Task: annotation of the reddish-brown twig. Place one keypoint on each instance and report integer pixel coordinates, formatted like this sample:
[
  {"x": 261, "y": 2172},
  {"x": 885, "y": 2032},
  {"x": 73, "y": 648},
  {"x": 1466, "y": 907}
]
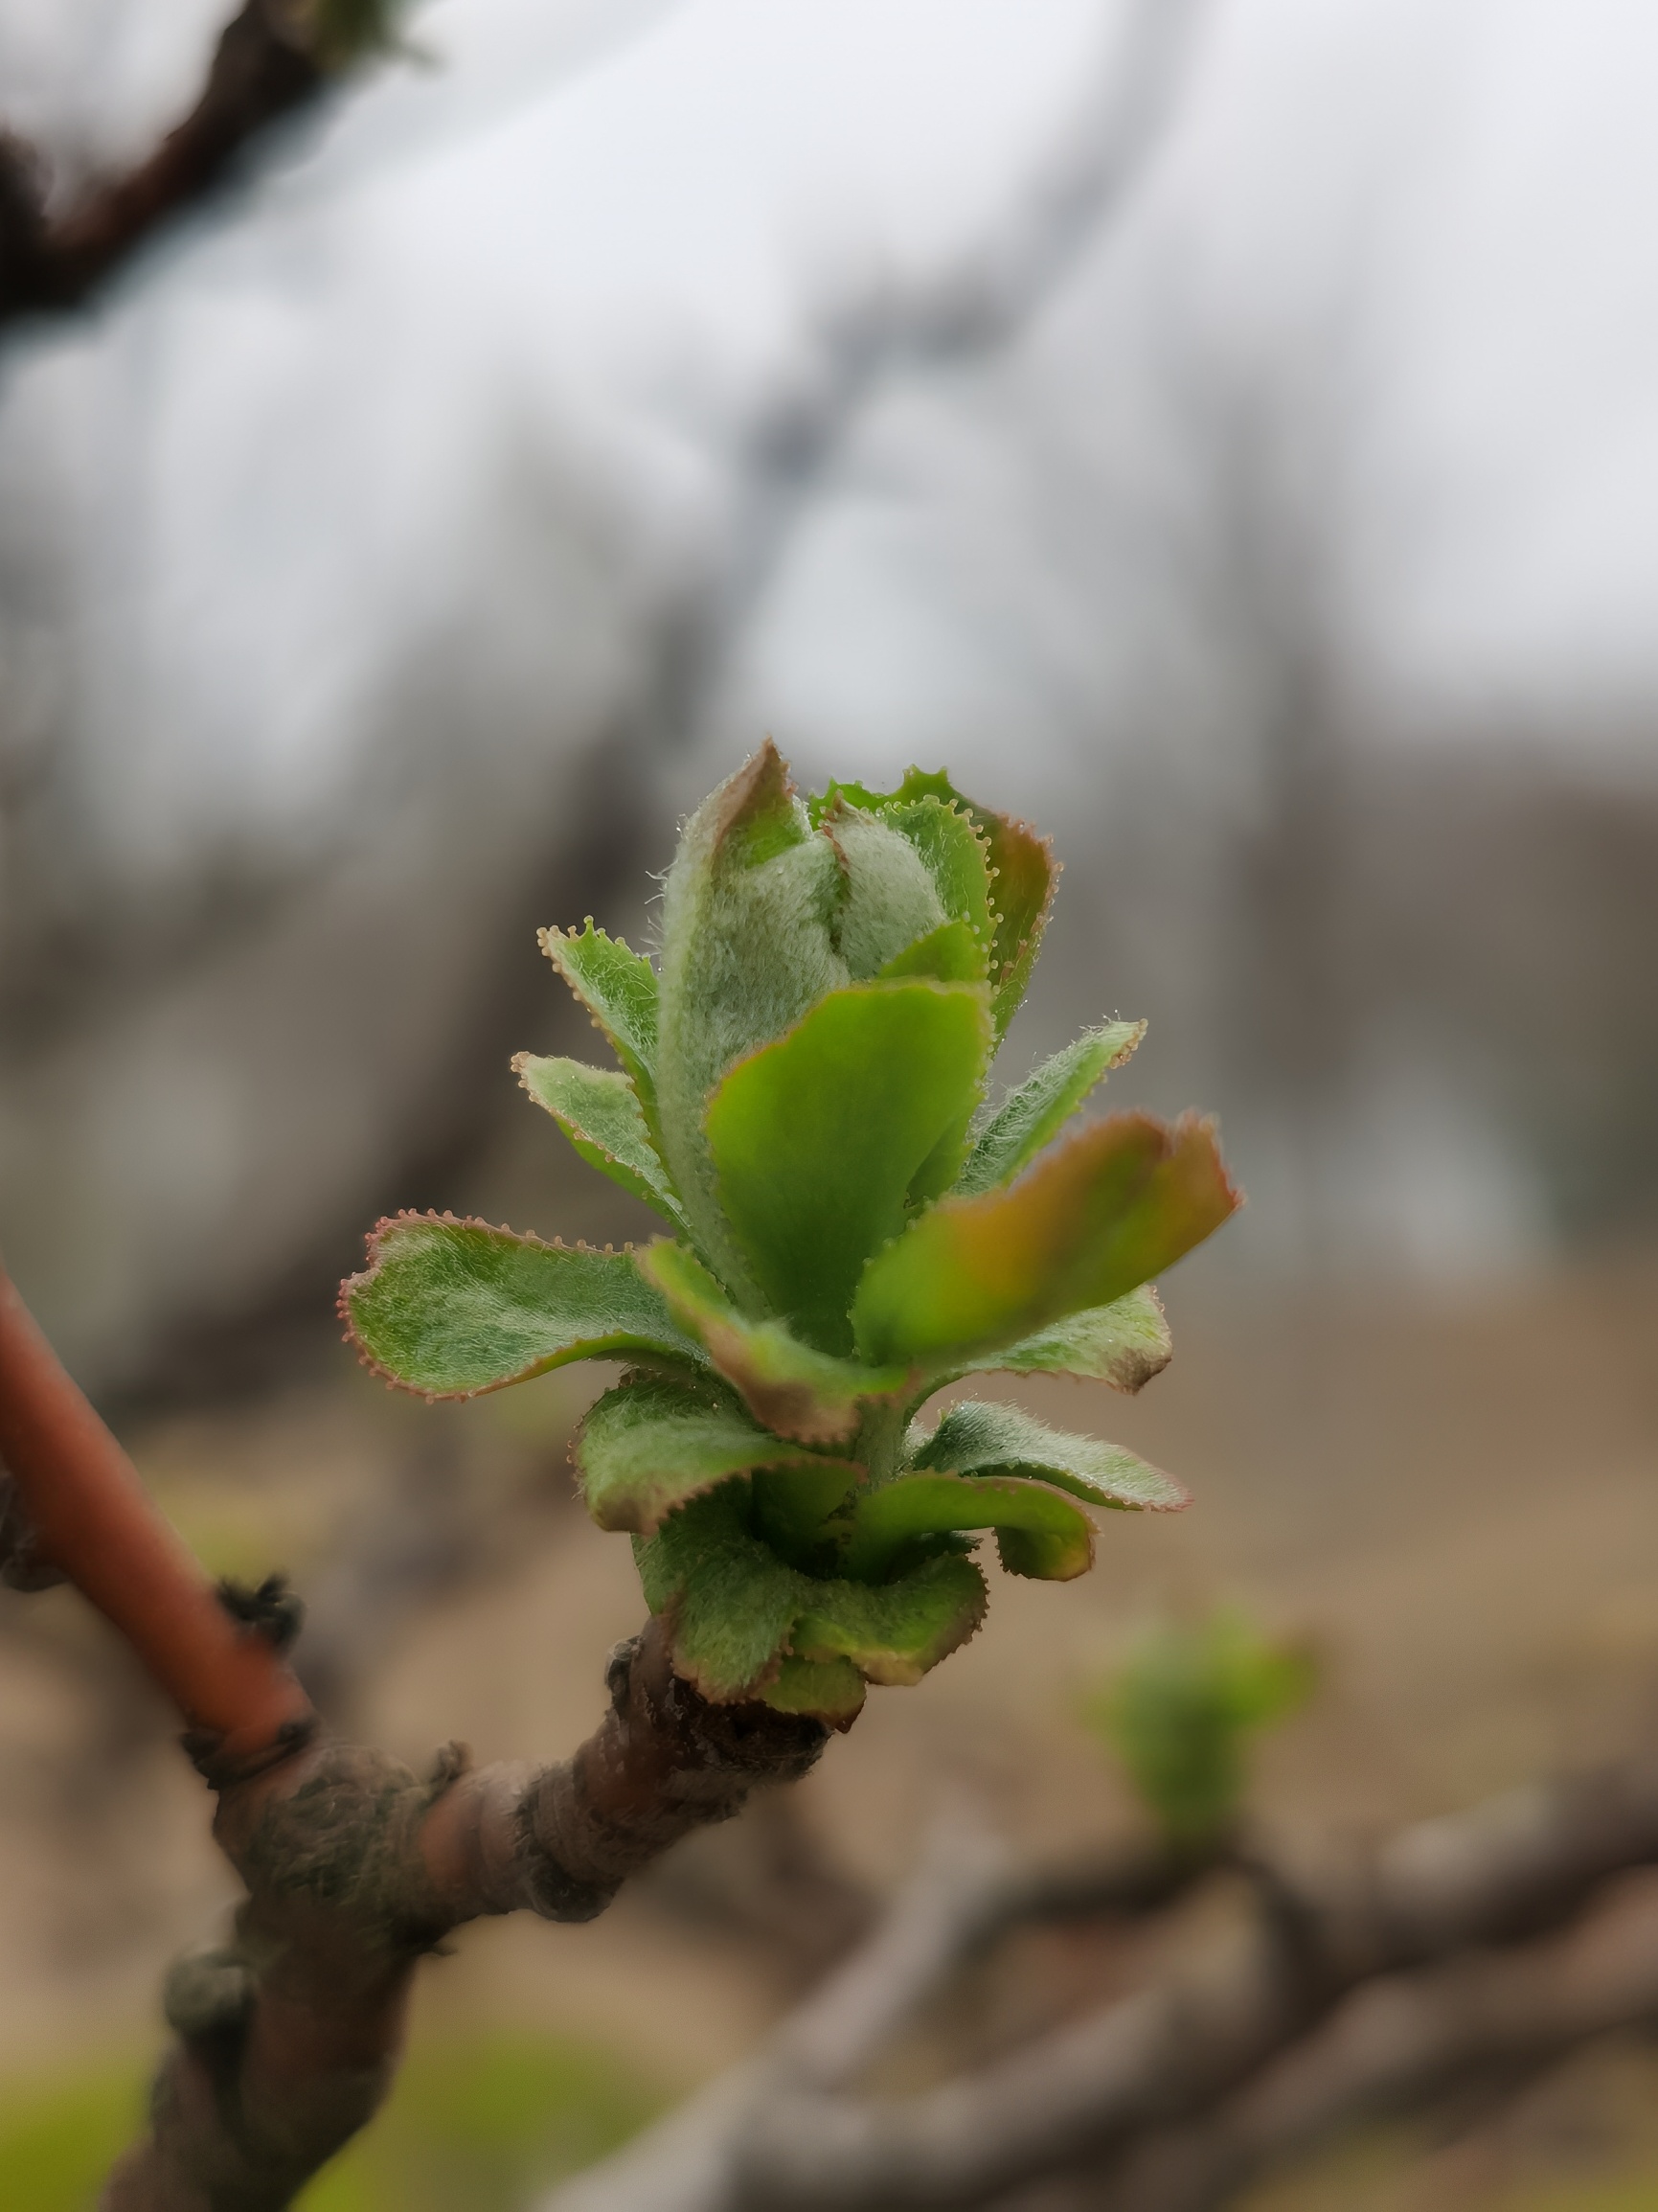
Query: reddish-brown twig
[{"x": 92, "y": 1518}]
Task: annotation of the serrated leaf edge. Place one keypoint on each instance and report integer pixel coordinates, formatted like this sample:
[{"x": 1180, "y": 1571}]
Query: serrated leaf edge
[
  {"x": 696, "y": 1357},
  {"x": 665, "y": 1202}
]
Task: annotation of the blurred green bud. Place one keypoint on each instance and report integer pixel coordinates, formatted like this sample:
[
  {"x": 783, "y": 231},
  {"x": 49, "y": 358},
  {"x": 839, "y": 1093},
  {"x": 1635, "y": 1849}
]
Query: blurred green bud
[{"x": 1180, "y": 1710}]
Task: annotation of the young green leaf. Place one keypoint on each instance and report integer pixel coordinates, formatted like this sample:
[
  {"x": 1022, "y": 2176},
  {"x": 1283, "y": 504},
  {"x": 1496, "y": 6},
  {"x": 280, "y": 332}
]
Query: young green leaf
[
  {"x": 649, "y": 1445},
  {"x": 817, "y": 1138},
  {"x": 982, "y": 1440},
  {"x": 454, "y": 1307},
  {"x": 956, "y": 857},
  {"x": 789, "y": 1386},
  {"x": 1124, "y": 1345},
  {"x": 895, "y": 1632},
  {"x": 1034, "y": 1113},
  {"x": 1094, "y": 1218},
  {"x": 1181, "y": 1708},
  {"x": 836, "y": 794},
  {"x": 887, "y": 899},
  {"x": 797, "y": 1095},
  {"x": 747, "y": 948},
  {"x": 619, "y": 989},
  {"x": 888, "y": 1523},
  {"x": 599, "y": 1111},
  {"x": 731, "y": 1601},
  {"x": 951, "y": 953},
  {"x": 1023, "y": 877},
  {"x": 737, "y": 1609},
  {"x": 830, "y": 1690}
]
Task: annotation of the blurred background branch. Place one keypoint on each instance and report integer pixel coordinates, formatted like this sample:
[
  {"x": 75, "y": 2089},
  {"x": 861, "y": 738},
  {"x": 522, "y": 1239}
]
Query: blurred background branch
[
  {"x": 274, "y": 57},
  {"x": 1485, "y": 1943}
]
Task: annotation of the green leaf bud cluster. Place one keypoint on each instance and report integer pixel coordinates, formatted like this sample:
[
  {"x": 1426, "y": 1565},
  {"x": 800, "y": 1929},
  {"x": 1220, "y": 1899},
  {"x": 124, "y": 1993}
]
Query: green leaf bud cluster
[{"x": 802, "y": 1094}]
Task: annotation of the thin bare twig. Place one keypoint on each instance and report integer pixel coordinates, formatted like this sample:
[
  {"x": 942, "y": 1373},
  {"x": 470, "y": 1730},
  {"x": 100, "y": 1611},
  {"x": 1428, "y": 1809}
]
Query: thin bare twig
[
  {"x": 88, "y": 1516},
  {"x": 965, "y": 1894},
  {"x": 1168, "y": 2093},
  {"x": 1405, "y": 2040},
  {"x": 272, "y": 58}
]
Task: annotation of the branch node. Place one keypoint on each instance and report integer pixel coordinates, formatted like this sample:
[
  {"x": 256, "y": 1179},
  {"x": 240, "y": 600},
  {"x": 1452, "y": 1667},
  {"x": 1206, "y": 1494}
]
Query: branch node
[
  {"x": 449, "y": 1762},
  {"x": 204, "y": 1748},
  {"x": 272, "y": 1609},
  {"x": 619, "y": 1669},
  {"x": 208, "y": 1995},
  {"x": 23, "y": 1565}
]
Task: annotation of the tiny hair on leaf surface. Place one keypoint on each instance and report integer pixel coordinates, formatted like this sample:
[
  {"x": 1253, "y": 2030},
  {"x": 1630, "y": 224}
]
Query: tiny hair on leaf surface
[
  {"x": 647, "y": 1445},
  {"x": 1041, "y": 1105},
  {"x": 1001, "y": 1439},
  {"x": 598, "y": 1110},
  {"x": 1095, "y": 1216},
  {"x": 1126, "y": 1344},
  {"x": 803, "y": 1092},
  {"x": 450, "y": 1308}
]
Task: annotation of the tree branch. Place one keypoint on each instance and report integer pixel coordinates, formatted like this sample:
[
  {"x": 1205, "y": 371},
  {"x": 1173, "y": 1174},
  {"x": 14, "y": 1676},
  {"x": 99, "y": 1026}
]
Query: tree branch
[
  {"x": 963, "y": 1895},
  {"x": 273, "y": 58},
  {"x": 287, "y": 2039},
  {"x": 89, "y": 1517},
  {"x": 1401, "y": 2040},
  {"x": 1200, "y": 2078}
]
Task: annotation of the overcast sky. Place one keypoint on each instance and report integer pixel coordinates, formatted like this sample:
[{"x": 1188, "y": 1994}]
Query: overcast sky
[{"x": 385, "y": 494}]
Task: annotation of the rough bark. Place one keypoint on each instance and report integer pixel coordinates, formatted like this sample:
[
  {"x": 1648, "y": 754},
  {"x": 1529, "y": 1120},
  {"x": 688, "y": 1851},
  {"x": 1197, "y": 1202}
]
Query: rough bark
[
  {"x": 356, "y": 1868},
  {"x": 287, "y": 2039}
]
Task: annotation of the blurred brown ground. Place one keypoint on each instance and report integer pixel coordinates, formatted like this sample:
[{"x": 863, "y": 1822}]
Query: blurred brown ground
[{"x": 1457, "y": 1497}]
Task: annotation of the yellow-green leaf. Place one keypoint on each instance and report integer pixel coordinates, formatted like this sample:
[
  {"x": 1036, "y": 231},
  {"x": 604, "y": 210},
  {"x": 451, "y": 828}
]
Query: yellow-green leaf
[
  {"x": 1094, "y": 1217},
  {"x": 951, "y": 953}
]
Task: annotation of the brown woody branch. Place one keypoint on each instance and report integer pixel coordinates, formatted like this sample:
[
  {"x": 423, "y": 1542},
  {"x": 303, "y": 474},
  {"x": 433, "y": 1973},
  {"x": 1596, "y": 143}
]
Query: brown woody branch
[
  {"x": 287, "y": 2039},
  {"x": 355, "y": 1869},
  {"x": 1403, "y": 2040},
  {"x": 270, "y": 60},
  {"x": 1444, "y": 1948},
  {"x": 961, "y": 1897}
]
